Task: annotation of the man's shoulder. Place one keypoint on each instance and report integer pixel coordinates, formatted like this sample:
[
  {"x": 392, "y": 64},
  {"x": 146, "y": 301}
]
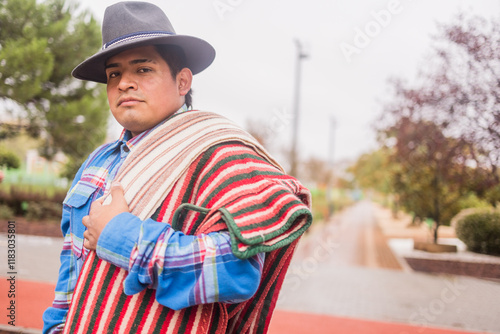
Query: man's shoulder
[
  {"x": 237, "y": 156},
  {"x": 231, "y": 148}
]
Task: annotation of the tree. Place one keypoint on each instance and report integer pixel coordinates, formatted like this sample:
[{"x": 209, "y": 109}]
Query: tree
[
  {"x": 374, "y": 171},
  {"x": 317, "y": 171},
  {"x": 445, "y": 128},
  {"x": 431, "y": 180},
  {"x": 459, "y": 91},
  {"x": 468, "y": 71},
  {"x": 468, "y": 52},
  {"x": 40, "y": 43}
]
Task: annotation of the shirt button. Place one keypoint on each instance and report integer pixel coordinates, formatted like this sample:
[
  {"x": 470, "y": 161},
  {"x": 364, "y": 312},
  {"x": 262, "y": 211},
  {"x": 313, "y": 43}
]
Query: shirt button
[{"x": 125, "y": 148}]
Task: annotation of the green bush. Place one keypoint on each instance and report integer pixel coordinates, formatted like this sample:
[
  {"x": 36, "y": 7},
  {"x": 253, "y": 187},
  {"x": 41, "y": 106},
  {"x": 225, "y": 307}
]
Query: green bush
[
  {"x": 15, "y": 196},
  {"x": 9, "y": 159},
  {"x": 480, "y": 232},
  {"x": 6, "y": 212},
  {"x": 43, "y": 210}
]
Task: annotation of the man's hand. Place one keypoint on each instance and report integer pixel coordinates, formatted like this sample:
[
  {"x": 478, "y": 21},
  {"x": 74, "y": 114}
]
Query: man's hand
[{"x": 100, "y": 215}]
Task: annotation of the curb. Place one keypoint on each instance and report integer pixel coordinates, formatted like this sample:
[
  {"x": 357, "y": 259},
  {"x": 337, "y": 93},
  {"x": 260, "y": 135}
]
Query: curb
[{"x": 6, "y": 329}]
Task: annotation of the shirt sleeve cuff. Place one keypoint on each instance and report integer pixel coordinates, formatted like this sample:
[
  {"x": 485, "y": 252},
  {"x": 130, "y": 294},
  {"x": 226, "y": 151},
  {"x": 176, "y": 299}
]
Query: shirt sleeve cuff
[
  {"x": 56, "y": 329},
  {"x": 118, "y": 238}
]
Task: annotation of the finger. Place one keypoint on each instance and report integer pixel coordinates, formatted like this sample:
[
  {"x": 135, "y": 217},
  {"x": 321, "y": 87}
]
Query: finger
[
  {"x": 86, "y": 244},
  {"x": 100, "y": 200},
  {"x": 85, "y": 221},
  {"x": 116, "y": 188},
  {"x": 117, "y": 192}
]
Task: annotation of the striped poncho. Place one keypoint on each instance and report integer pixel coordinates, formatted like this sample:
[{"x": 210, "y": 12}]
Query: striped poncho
[{"x": 185, "y": 173}]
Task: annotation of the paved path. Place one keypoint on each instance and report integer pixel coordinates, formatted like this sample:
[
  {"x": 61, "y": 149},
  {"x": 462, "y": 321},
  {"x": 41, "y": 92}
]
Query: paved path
[
  {"x": 337, "y": 284},
  {"x": 334, "y": 274},
  {"x": 37, "y": 258}
]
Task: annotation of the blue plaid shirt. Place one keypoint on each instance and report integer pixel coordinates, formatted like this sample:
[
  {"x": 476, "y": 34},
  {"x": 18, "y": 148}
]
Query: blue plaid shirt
[{"x": 186, "y": 257}]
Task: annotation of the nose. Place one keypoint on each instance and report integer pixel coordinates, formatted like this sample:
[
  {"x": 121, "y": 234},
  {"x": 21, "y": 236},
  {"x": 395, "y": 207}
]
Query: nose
[{"x": 127, "y": 82}]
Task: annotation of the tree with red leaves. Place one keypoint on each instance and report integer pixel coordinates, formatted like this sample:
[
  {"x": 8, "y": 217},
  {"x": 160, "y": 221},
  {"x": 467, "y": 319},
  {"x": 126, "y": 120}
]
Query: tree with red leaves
[{"x": 445, "y": 129}]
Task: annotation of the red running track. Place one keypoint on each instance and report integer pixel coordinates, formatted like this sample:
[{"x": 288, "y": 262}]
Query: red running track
[{"x": 32, "y": 298}]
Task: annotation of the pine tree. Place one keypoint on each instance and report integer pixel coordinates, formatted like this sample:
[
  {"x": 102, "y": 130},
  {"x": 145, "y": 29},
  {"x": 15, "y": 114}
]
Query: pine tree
[{"x": 40, "y": 43}]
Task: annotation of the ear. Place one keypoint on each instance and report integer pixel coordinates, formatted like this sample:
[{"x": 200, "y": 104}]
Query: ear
[{"x": 184, "y": 80}]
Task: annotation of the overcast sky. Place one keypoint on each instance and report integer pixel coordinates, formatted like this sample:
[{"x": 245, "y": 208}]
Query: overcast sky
[{"x": 354, "y": 46}]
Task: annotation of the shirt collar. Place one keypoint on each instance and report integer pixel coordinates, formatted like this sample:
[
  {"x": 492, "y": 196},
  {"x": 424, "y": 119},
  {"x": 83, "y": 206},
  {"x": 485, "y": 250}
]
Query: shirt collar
[{"x": 126, "y": 135}]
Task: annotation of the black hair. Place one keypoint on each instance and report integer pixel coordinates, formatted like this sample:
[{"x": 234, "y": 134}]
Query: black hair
[{"x": 176, "y": 60}]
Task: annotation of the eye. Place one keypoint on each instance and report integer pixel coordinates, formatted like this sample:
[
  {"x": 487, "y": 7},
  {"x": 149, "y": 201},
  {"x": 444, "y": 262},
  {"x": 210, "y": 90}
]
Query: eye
[
  {"x": 112, "y": 75},
  {"x": 144, "y": 70}
]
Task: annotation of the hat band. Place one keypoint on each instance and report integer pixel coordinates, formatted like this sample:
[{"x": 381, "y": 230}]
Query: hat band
[{"x": 134, "y": 36}]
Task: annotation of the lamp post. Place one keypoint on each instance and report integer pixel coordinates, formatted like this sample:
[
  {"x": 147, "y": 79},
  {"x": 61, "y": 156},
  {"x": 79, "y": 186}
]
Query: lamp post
[
  {"x": 331, "y": 181},
  {"x": 296, "y": 104}
]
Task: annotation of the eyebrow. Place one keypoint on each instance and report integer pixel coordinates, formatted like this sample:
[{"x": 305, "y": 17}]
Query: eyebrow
[{"x": 132, "y": 62}]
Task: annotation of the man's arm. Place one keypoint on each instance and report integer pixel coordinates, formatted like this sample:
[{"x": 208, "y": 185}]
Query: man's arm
[
  {"x": 185, "y": 270},
  {"x": 54, "y": 316},
  {"x": 66, "y": 281}
]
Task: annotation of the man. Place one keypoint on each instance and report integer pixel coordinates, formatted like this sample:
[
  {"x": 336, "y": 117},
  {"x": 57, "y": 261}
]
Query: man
[{"x": 184, "y": 224}]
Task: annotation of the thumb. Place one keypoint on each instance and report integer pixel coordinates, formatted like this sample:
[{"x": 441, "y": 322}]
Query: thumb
[{"x": 117, "y": 192}]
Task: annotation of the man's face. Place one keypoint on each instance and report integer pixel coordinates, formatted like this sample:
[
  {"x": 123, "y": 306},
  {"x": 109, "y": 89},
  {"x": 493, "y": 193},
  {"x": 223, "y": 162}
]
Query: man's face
[{"x": 141, "y": 90}]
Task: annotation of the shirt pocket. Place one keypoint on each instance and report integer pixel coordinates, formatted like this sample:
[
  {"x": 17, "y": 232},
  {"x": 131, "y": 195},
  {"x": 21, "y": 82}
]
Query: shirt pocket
[{"x": 78, "y": 202}]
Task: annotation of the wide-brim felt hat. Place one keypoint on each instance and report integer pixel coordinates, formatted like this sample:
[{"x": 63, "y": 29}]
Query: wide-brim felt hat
[{"x": 131, "y": 24}]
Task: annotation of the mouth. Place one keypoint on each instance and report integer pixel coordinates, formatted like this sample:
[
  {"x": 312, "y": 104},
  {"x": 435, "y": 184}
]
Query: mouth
[{"x": 128, "y": 101}]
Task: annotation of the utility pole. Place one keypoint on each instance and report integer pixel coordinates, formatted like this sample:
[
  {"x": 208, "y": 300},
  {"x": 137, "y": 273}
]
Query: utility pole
[
  {"x": 296, "y": 104},
  {"x": 331, "y": 181}
]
